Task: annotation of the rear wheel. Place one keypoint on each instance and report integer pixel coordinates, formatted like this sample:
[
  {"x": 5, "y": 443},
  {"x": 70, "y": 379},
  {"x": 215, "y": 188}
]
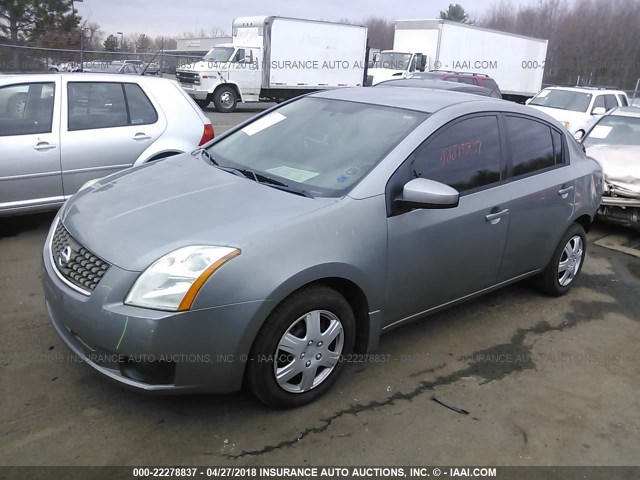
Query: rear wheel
[
  {"x": 566, "y": 263},
  {"x": 225, "y": 99},
  {"x": 16, "y": 105},
  {"x": 296, "y": 355}
]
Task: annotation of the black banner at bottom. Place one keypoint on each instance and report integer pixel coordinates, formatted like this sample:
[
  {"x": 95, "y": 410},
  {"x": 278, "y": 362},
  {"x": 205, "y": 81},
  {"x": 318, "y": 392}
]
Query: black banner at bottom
[{"x": 319, "y": 472}]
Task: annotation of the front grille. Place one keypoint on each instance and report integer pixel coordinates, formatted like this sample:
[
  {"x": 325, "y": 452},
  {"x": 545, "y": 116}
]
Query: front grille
[
  {"x": 75, "y": 263},
  {"x": 188, "y": 77}
]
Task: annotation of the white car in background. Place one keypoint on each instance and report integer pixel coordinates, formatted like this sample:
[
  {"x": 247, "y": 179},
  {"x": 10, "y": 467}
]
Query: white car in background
[
  {"x": 60, "y": 131},
  {"x": 576, "y": 107}
]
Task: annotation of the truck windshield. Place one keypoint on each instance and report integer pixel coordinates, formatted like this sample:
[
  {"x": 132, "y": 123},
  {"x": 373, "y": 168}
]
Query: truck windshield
[
  {"x": 563, "y": 99},
  {"x": 319, "y": 146},
  {"x": 219, "y": 54},
  {"x": 393, "y": 60}
]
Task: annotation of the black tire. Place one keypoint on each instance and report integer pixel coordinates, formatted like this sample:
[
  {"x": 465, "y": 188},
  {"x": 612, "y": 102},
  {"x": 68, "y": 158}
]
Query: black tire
[
  {"x": 260, "y": 376},
  {"x": 203, "y": 103},
  {"x": 548, "y": 281},
  {"x": 225, "y": 99},
  {"x": 16, "y": 105}
]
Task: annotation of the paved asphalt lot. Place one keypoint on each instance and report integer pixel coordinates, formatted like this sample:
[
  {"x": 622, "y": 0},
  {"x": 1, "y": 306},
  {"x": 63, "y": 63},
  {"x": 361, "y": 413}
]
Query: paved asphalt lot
[{"x": 545, "y": 381}]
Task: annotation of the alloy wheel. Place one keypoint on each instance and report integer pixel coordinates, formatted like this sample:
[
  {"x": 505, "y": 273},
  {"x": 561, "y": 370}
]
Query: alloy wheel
[{"x": 570, "y": 260}]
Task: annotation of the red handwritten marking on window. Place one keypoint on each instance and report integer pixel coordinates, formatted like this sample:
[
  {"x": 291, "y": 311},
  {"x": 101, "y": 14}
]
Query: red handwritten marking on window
[{"x": 454, "y": 152}]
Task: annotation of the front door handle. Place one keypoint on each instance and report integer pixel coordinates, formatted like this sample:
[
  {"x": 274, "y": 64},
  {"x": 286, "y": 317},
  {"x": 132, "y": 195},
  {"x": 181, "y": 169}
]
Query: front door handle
[
  {"x": 564, "y": 191},
  {"x": 494, "y": 218},
  {"x": 43, "y": 146},
  {"x": 141, "y": 136}
]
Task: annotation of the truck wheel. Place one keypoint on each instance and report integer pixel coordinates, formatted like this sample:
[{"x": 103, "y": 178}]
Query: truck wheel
[
  {"x": 297, "y": 354},
  {"x": 225, "y": 99},
  {"x": 203, "y": 103}
]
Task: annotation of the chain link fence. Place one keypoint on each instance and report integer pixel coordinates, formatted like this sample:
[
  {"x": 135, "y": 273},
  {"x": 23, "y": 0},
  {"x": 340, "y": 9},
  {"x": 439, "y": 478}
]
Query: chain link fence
[{"x": 22, "y": 59}]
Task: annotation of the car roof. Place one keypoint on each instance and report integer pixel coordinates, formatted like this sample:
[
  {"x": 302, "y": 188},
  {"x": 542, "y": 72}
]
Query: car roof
[
  {"x": 626, "y": 112},
  {"x": 436, "y": 85},
  {"x": 426, "y": 100},
  {"x": 585, "y": 89},
  {"x": 147, "y": 80}
]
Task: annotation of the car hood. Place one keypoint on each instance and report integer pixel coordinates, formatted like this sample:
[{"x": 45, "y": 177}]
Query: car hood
[
  {"x": 621, "y": 166},
  {"x": 132, "y": 218},
  {"x": 382, "y": 74}
]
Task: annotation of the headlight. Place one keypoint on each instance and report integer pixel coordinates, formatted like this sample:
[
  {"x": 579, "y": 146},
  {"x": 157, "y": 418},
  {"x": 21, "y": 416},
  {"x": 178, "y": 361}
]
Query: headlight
[{"x": 173, "y": 281}]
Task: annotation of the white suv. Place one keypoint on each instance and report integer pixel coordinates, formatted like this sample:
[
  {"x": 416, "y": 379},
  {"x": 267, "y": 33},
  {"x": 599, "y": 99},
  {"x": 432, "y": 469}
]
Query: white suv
[{"x": 577, "y": 107}]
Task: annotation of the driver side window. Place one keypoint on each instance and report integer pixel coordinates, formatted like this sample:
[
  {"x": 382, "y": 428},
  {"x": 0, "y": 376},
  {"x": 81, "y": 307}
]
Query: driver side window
[{"x": 465, "y": 155}]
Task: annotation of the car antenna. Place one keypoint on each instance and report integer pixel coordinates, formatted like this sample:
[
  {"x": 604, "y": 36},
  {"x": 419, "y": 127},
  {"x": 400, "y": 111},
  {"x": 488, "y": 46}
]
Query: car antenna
[{"x": 149, "y": 62}]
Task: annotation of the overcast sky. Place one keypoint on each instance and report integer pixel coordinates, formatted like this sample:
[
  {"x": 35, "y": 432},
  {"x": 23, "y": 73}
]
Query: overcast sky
[{"x": 174, "y": 17}]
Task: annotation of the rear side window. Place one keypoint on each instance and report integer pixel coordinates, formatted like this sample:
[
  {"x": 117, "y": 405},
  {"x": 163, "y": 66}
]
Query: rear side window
[
  {"x": 465, "y": 156},
  {"x": 106, "y": 105},
  {"x": 490, "y": 83},
  {"x": 623, "y": 100},
  {"x": 140, "y": 108},
  {"x": 532, "y": 147},
  {"x": 558, "y": 155},
  {"x": 96, "y": 105},
  {"x": 26, "y": 109},
  {"x": 610, "y": 102},
  {"x": 467, "y": 80}
]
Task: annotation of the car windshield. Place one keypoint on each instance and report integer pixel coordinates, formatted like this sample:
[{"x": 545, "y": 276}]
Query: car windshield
[
  {"x": 562, "y": 99},
  {"x": 615, "y": 130},
  {"x": 219, "y": 54},
  {"x": 393, "y": 60},
  {"x": 319, "y": 146}
]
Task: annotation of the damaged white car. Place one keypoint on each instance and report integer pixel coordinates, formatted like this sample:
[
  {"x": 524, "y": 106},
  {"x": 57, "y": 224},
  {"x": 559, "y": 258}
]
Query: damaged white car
[{"x": 614, "y": 141}]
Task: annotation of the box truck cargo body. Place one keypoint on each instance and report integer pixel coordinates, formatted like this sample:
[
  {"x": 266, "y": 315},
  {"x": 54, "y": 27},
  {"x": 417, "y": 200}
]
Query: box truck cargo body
[
  {"x": 515, "y": 62},
  {"x": 276, "y": 58}
]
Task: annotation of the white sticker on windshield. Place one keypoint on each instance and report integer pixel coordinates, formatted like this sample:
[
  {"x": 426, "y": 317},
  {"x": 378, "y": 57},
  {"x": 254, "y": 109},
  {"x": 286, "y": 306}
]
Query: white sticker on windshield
[
  {"x": 600, "y": 131},
  {"x": 262, "y": 123},
  {"x": 543, "y": 93},
  {"x": 294, "y": 174}
]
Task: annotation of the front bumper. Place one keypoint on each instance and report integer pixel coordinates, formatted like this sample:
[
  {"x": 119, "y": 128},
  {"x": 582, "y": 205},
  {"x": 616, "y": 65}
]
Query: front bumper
[
  {"x": 195, "y": 351},
  {"x": 195, "y": 91},
  {"x": 620, "y": 210}
]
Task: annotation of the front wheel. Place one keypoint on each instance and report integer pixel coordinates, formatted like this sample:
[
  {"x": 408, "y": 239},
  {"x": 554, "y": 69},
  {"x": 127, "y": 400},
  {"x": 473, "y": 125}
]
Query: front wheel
[
  {"x": 566, "y": 263},
  {"x": 225, "y": 99},
  {"x": 296, "y": 355},
  {"x": 203, "y": 103}
]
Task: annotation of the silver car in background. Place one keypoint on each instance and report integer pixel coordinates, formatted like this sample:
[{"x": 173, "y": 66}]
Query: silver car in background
[
  {"x": 268, "y": 257},
  {"x": 614, "y": 141},
  {"x": 59, "y": 131}
]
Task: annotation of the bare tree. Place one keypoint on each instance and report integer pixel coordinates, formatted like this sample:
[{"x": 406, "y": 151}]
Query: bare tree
[{"x": 380, "y": 31}]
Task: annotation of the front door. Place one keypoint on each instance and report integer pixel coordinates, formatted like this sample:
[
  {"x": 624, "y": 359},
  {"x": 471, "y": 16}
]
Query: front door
[
  {"x": 30, "y": 145},
  {"x": 438, "y": 256}
]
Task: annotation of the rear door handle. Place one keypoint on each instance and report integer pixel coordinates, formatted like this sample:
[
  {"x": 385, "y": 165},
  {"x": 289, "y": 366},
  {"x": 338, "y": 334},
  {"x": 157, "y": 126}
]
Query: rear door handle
[
  {"x": 564, "y": 191},
  {"x": 495, "y": 217},
  {"x": 141, "y": 136},
  {"x": 43, "y": 146}
]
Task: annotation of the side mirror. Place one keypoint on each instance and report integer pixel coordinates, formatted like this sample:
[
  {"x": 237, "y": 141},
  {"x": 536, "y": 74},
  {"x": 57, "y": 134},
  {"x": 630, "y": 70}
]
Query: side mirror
[
  {"x": 579, "y": 135},
  {"x": 598, "y": 111},
  {"x": 528, "y": 101},
  {"x": 423, "y": 193},
  {"x": 421, "y": 62}
]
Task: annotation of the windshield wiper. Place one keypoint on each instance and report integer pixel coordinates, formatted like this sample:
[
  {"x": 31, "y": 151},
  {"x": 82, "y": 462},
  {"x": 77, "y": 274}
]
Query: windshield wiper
[
  {"x": 272, "y": 182},
  {"x": 256, "y": 177}
]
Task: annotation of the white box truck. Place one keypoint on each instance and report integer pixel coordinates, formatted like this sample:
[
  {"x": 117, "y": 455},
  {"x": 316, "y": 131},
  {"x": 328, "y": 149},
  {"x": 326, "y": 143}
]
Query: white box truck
[
  {"x": 277, "y": 58},
  {"x": 515, "y": 62}
]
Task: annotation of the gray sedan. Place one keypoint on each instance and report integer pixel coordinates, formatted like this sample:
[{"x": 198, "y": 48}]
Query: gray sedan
[{"x": 269, "y": 257}]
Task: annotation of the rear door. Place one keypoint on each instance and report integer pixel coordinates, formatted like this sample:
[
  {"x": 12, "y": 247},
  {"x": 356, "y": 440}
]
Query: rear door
[
  {"x": 30, "y": 144},
  {"x": 542, "y": 194},
  {"x": 105, "y": 128},
  {"x": 438, "y": 256}
]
